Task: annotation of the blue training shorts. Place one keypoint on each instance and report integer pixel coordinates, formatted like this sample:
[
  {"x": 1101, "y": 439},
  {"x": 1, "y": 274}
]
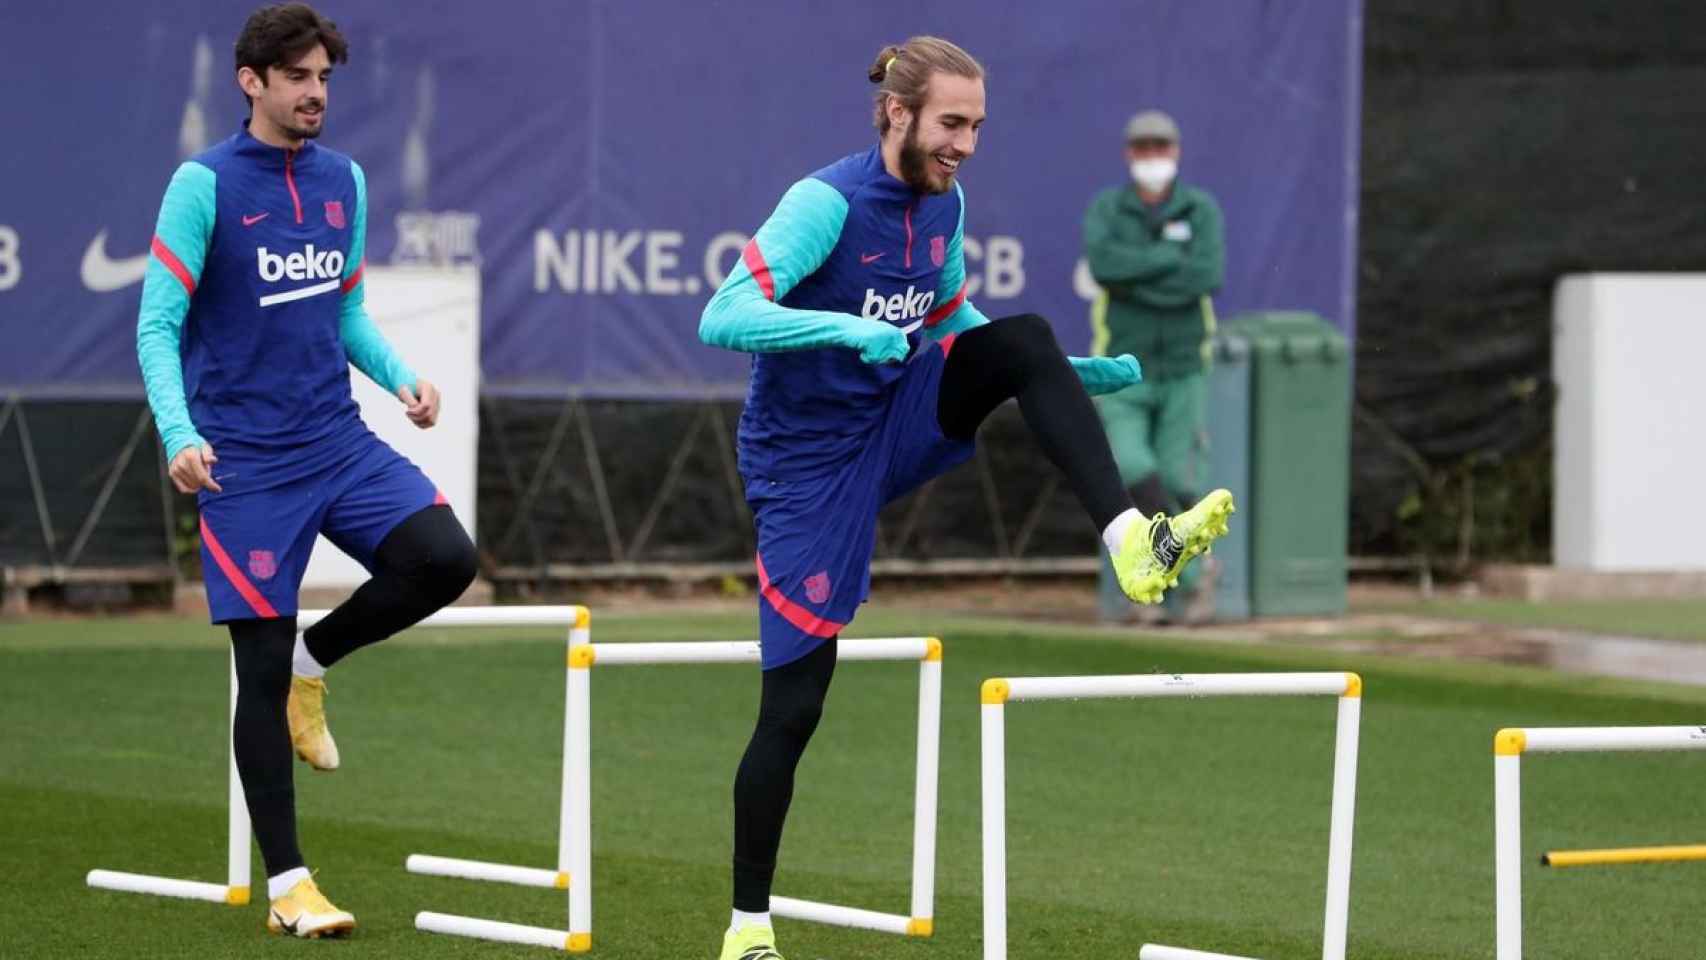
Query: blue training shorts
[
  {"x": 816, "y": 535},
  {"x": 257, "y": 534}
]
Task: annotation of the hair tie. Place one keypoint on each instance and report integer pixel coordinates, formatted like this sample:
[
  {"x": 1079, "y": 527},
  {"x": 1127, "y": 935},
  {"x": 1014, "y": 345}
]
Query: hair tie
[{"x": 890, "y": 65}]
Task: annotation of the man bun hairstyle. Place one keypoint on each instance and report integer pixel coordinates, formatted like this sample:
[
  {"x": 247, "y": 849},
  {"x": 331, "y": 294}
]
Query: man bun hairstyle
[{"x": 903, "y": 72}]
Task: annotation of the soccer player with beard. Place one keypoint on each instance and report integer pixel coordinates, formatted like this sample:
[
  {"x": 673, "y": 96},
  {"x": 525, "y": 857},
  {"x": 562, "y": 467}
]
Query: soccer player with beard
[
  {"x": 252, "y": 313},
  {"x": 871, "y": 372}
]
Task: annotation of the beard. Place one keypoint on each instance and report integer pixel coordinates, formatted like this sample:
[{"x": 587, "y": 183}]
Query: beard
[
  {"x": 287, "y": 123},
  {"x": 915, "y": 165}
]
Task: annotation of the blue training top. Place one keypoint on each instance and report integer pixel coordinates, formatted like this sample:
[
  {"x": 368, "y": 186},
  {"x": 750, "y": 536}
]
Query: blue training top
[
  {"x": 252, "y": 304},
  {"x": 849, "y": 253}
]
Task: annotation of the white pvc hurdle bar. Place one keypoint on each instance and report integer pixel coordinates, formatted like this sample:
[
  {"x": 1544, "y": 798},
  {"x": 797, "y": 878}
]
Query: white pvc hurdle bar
[
  {"x": 579, "y": 621},
  {"x": 578, "y": 791},
  {"x": 997, "y": 693},
  {"x": 1508, "y": 747},
  {"x": 235, "y": 891}
]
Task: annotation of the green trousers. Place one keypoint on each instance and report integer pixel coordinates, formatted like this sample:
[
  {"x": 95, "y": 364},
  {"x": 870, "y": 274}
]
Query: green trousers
[{"x": 1156, "y": 427}]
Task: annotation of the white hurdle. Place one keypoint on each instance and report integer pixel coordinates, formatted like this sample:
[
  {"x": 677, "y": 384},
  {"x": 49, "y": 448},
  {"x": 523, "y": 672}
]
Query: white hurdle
[
  {"x": 577, "y": 781},
  {"x": 1508, "y": 747},
  {"x": 997, "y": 693},
  {"x": 578, "y": 620},
  {"x": 235, "y": 890}
]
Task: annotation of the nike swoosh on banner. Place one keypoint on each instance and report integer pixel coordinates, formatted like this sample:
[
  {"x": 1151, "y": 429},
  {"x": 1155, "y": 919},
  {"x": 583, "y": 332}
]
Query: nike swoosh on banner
[
  {"x": 102, "y": 274},
  {"x": 300, "y": 293}
]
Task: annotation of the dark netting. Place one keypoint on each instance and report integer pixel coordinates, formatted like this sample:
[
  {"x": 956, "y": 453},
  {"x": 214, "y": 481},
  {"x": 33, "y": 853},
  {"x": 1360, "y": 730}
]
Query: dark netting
[
  {"x": 656, "y": 485},
  {"x": 1504, "y": 145},
  {"x": 80, "y": 449},
  {"x": 671, "y": 494}
]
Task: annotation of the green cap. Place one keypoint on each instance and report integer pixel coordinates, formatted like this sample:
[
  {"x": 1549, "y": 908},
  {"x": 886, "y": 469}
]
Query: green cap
[{"x": 1151, "y": 125}]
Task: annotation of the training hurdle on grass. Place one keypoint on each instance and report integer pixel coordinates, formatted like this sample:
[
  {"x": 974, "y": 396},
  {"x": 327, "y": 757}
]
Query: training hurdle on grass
[
  {"x": 235, "y": 890},
  {"x": 1509, "y": 745},
  {"x": 576, "y": 824},
  {"x": 997, "y": 693}
]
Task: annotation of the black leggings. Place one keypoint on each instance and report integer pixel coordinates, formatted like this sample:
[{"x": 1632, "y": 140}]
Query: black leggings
[
  {"x": 789, "y": 708},
  {"x": 421, "y": 565},
  {"x": 1018, "y": 358}
]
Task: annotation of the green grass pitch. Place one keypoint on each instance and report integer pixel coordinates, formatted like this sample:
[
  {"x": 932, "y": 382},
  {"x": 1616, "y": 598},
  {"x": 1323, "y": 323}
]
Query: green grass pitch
[{"x": 1194, "y": 823}]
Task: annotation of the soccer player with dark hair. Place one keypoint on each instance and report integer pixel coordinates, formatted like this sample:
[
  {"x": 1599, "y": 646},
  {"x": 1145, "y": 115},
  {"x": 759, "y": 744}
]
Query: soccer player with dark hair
[
  {"x": 871, "y": 372},
  {"x": 252, "y": 313}
]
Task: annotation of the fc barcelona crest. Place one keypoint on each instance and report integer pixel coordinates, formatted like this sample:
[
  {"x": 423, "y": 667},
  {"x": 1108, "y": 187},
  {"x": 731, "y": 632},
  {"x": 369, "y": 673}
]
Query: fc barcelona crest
[
  {"x": 262, "y": 565},
  {"x": 335, "y": 214},
  {"x": 938, "y": 250}
]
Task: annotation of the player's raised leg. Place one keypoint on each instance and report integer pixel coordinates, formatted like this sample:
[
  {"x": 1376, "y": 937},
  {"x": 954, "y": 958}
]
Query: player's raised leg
[
  {"x": 392, "y": 518},
  {"x": 1019, "y": 358}
]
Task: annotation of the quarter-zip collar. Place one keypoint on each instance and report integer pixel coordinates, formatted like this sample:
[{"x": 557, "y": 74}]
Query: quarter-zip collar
[{"x": 268, "y": 156}]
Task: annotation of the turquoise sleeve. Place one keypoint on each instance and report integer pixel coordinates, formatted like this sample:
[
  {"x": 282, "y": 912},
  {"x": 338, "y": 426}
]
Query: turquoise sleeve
[
  {"x": 367, "y": 348},
  {"x": 1102, "y": 375},
  {"x": 744, "y": 313},
  {"x": 178, "y": 253},
  {"x": 952, "y": 284}
]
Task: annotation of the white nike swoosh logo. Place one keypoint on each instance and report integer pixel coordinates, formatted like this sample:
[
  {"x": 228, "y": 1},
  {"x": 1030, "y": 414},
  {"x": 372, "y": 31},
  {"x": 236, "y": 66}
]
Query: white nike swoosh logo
[{"x": 103, "y": 274}]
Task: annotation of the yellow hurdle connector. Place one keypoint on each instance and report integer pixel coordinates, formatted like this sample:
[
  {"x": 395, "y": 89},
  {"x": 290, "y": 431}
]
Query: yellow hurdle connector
[
  {"x": 1353, "y": 685},
  {"x": 562, "y": 880},
  {"x": 583, "y": 618},
  {"x": 581, "y": 656},
  {"x": 1510, "y": 742},
  {"x": 920, "y": 927},
  {"x": 996, "y": 691},
  {"x": 237, "y": 896},
  {"x": 578, "y": 943},
  {"x": 1620, "y": 855},
  {"x": 933, "y": 648}
]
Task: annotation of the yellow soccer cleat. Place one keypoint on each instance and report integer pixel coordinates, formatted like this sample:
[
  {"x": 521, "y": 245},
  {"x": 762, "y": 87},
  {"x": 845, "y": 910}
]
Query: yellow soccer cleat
[
  {"x": 751, "y": 942},
  {"x": 306, "y": 710},
  {"x": 1153, "y": 553},
  {"x": 305, "y": 912}
]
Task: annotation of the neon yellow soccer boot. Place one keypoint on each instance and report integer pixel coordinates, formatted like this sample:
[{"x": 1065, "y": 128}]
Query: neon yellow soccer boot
[
  {"x": 1154, "y": 551},
  {"x": 306, "y": 711},
  {"x": 305, "y": 912},
  {"x": 751, "y": 942}
]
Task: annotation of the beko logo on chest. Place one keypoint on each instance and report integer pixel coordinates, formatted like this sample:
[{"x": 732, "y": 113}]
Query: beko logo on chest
[
  {"x": 305, "y": 264},
  {"x": 325, "y": 266},
  {"x": 901, "y": 306}
]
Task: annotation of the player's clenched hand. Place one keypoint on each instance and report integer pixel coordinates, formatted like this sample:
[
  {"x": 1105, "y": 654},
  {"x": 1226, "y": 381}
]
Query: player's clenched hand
[
  {"x": 192, "y": 469},
  {"x": 422, "y": 409},
  {"x": 880, "y": 343}
]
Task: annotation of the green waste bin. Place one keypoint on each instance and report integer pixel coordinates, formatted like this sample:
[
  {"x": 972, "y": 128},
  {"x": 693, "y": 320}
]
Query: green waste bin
[
  {"x": 1297, "y": 510},
  {"x": 1227, "y": 416}
]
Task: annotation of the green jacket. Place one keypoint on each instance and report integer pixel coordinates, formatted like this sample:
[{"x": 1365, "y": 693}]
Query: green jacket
[{"x": 1158, "y": 267}]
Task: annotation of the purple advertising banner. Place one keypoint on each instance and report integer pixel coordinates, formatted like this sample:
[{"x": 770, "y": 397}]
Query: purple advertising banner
[{"x": 603, "y": 163}]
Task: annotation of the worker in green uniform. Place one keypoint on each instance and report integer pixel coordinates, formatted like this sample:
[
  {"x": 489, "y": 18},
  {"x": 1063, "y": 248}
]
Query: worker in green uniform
[{"x": 1154, "y": 245}]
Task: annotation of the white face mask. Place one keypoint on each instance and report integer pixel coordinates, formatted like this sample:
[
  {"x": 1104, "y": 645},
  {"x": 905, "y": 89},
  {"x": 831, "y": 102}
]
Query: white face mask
[{"x": 1154, "y": 174}]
